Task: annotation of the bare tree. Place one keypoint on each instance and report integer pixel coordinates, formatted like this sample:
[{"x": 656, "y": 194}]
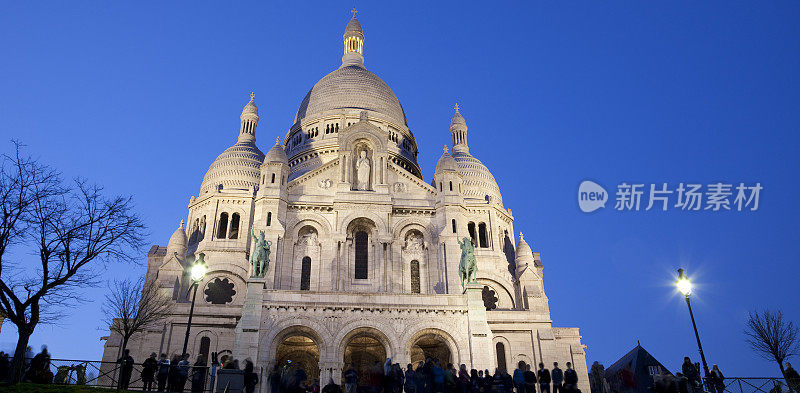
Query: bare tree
[
  {"x": 53, "y": 237},
  {"x": 772, "y": 337},
  {"x": 133, "y": 305}
]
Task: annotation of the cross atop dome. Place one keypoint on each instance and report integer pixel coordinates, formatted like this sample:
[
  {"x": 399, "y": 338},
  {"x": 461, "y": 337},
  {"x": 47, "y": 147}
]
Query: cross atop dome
[
  {"x": 456, "y": 107},
  {"x": 252, "y": 95},
  {"x": 445, "y": 148},
  {"x": 353, "y": 42}
]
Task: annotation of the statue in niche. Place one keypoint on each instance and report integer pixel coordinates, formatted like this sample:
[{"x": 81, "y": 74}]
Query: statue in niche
[
  {"x": 362, "y": 171},
  {"x": 414, "y": 243},
  {"x": 468, "y": 268},
  {"x": 308, "y": 239},
  {"x": 259, "y": 260}
]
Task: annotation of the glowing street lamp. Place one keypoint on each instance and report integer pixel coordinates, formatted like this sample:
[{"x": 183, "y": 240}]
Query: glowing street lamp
[
  {"x": 197, "y": 272},
  {"x": 685, "y": 287}
]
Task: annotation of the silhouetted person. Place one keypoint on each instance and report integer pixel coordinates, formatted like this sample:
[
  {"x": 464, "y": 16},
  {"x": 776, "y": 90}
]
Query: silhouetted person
[
  {"x": 275, "y": 379},
  {"x": 530, "y": 379},
  {"x": 543, "y": 375},
  {"x": 558, "y": 378},
  {"x": 173, "y": 379},
  {"x": 199, "y": 374},
  {"x": 250, "y": 377},
  {"x": 570, "y": 376},
  {"x": 411, "y": 379},
  {"x": 792, "y": 377},
  {"x": 351, "y": 380},
  {"x": 691, "y": 373},
  {"x": 163, "y": 372},
  {"x": 183, "y": 373},
  {"x": 519, "y": 377},
  {"x": 149, "y": 367},
  {"x": 717, "y": 379},
  {"x": 125, "y": 369},
  {"x": 331, "y": 387},
  {"x": 5, "y": 366}
]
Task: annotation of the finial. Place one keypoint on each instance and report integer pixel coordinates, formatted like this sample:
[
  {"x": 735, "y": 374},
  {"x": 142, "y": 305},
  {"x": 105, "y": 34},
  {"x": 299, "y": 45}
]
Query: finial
[
  {"x": 456, "y": 107},
  {"x": 520, "y": 236},
  {"x": 181, "y": 227},
  {"x": 354, "y": 11},
  {"x": 278, "y": 140},
  {"x": 252, "y": 95},
  {"x": 445, "y": 148}
]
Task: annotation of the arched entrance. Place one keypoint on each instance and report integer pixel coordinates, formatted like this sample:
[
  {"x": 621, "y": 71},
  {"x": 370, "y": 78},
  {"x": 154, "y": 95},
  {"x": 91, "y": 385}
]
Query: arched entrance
[
  {"x": 430, "y": 344},
  {"x": 298, "y": 350},
  {"x": 366, "y": 352}
]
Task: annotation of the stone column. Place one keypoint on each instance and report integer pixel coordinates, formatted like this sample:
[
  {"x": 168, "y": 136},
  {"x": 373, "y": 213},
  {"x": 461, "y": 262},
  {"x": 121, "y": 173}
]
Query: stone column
[
  {"x": 246, "y": 344},
  {"x": 480, "y": 336}
]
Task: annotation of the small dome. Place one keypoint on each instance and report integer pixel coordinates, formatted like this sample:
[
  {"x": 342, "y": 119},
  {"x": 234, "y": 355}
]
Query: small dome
[
  {"x": 524, "y": 256},
  {"x": 353, "y": 26},
  {"x": 250, "y": 108},
  {"x": 277, "y": 154},
  {"x": 177, "y": 242},
  {"x": 478, "y": 181},
  {"x": 238, "y": 167},
  {"x": 446, "y": 162},
  {"x": 457, "y": 118}
]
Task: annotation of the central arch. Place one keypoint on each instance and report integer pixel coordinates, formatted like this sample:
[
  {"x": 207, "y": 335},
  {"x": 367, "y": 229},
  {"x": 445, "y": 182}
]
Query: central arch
[
  {"x": 430, "y": 344},
  {"x": 298, "y": 348},
  {"x": 366, "y": 349}
]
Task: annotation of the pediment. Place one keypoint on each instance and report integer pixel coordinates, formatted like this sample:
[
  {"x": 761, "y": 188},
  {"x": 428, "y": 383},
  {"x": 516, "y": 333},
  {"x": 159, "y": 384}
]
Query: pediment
[{"x": 321, "y": 180}]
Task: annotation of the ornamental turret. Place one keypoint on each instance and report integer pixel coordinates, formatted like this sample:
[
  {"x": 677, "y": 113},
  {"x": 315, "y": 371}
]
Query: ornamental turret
[
  {"x": 458, "y": 130},
  {"x": 249, "y": 117},
  {"x": 353, "y": 42}
]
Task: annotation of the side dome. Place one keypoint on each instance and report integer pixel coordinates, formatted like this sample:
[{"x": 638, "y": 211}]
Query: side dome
[
  {"x": 446, "y": 163},
  {"x": 238, "y": 167},
  {"x": 351, "y": 87},
  {"x": 478, "y": 181},
  {"x": 524, "y": 256},
  {"x": 277, "y": 154},
  {"x": 177, "y": 243}
]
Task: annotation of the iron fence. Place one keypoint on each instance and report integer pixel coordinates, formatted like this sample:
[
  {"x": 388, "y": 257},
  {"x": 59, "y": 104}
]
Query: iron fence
[
  {"x": 753, "y": 385},
  {"x": 107, "y": 374}
]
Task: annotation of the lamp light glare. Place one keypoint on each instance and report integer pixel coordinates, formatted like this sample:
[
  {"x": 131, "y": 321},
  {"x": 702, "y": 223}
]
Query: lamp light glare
[
  {"x": 198, "y": 272},
  {"x": 683, "y": 284}
]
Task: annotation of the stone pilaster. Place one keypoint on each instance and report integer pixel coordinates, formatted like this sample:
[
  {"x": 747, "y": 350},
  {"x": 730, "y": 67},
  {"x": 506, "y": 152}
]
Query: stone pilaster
[
  {"x": 480, "y": 336},
  {"x": 246, "y": 344}
]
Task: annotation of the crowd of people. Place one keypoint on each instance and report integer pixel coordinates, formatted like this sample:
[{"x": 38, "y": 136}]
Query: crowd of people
[
  {"x": 431, "y": 376},
  {"x": 165, "y": 374}
]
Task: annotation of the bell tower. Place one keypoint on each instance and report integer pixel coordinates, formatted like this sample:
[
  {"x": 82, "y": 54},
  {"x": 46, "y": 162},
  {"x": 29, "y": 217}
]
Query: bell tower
[{"x": 353, "y": 42}]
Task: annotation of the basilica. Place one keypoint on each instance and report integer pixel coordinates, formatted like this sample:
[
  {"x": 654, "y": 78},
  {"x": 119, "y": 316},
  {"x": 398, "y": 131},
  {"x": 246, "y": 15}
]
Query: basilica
[{"x": 363, "y": 252}]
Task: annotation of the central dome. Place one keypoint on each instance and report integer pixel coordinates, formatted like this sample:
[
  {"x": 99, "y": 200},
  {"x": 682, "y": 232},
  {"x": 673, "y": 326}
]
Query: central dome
[{"x": 351, "y": 87}]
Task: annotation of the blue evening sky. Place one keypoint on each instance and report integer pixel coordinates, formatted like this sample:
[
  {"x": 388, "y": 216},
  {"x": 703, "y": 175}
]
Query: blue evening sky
[{"x": 142, "y": 96}]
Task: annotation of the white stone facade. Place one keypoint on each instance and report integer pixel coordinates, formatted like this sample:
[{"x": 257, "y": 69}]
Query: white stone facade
[{"x": 364, "y": 253}]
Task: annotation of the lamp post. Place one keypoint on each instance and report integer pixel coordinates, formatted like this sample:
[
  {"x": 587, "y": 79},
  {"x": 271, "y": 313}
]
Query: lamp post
[
  {"x": 197, "y": 272},
  {"x": 685, "y": 288}
]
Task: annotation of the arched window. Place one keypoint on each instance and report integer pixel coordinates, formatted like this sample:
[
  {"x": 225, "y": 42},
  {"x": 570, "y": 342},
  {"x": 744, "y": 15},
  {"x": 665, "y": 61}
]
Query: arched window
[
  {"x": 362, "y": 255},
  {"x": 222, "y": 226},
  {"x": 414, "y": 276},
  {"x": 269, "y": 218},
  {"x": 482, "y": 236},
  {"x": 501, "y": 356},
  {"x": 203, "y": 228},
  {"x": 440, "y": 186},
  {"x": 454, "y": 225},
  {"x": 273, "y": 178},
  {"x": 305, "y": 274},
  {"x": 234, "y": 232},
  {"x": 205, "y": 346},
  {"x": 472, "y": 235},
  {"x": 451, "y": 186}
]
